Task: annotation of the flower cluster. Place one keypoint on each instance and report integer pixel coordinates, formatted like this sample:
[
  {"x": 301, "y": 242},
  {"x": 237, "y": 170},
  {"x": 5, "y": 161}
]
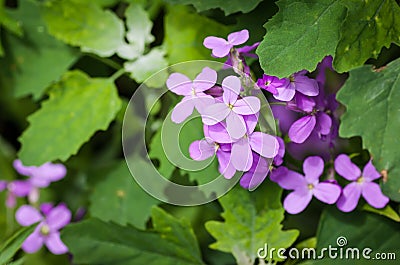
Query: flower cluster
[{"x": 50, "y": 219}]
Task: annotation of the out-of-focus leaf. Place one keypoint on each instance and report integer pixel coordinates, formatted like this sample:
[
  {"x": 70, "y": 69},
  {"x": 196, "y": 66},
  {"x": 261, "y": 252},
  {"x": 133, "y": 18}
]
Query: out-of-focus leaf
[
  {"x": 368, "y": 27},
  {"x": 78, "y": 106},
  {"x": 251, "y": 220},
  {"x": 85, "y": 25},
  {"x": 30, "y": 62},
  {"x": 373, "y": 96},
  {"x": 120, "y": 199},
  {"x": 96, "y": 242},
  {"x": 387, "y": 211}
]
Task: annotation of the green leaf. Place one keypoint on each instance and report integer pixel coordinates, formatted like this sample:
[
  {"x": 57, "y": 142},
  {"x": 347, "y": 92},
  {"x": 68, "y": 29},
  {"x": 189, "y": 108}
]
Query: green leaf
[
  {"x": 78, "y": 106},
  {"x": 300, "y": 35},
  {"x": 387, "y": 211},
  {"x": 96, "y": 242},
  {"x": 369, "y": 26},
  {"x": 251, "y": 220},
  {"x": 373, "y": 95},
  {"x": 28, "y": 59},
  {"x": 165, "y": 167},
  {"x": 361, "y": 230},
  {"x": 120, "y": 199},
  {"x": 8, "y": 22},
  {"x": 13, "y": 244},
  {"x": 85, "y": 25},
  {"x": 228, "y": 7}
]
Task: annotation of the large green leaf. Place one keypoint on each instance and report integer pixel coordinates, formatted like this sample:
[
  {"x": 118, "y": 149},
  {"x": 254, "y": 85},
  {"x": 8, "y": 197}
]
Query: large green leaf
[
  {"x": 13, "y": 244},
  {"x": 120, "y": 199},
  {"x": 369, "y": 26},
  {"x": 30, "y": 61},
  {"x": 371, "y": 98},
  {"x": 85, "y": 25},
  {"x": 300, "y": 35},
  {"x": 251, "y": 220},
  {"x": 96, "y": 242},
  {"x": 78, "y": 106},
  {"x": 228, "y": 7}
]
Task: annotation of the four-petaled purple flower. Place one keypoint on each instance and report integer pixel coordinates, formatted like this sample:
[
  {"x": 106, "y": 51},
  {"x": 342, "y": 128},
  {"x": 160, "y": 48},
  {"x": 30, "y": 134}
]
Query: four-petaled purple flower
[
  {"x": 16, "y": 188},
  {"x": 221, "y": 47},
  {"x": 193, "y": 92},
  {"x": 47, "y": 232},
  {"x": 361, "y": 184},
  {"x": 305, "y": 187},
  {"x": 297, "y": 82},
  {"x": 271, "y": 83},
  {"x": 232, "y": 109}
]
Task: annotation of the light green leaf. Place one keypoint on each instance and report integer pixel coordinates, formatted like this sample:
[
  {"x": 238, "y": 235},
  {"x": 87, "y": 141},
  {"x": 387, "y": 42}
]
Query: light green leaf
[
  {"x": 386, "y": 211},
  {"x": 228, "y": 7},
  {"x": 139, "y": 32},
  {"x": 251, "y": 220},
  {"x": 96, "y": 242},
  {"x": 30, "y": 63},
  {"x": 78, "y": 106},
  {"x": 369, "y": 26},
  {"x": 300, "y": 35},
  {"x": 85, "y": 25},
  {"x": 373, "y": 95},
  {"x": 120, "y": 199},
  {"x": 102, "y": 3},
  {"x": 8, "y": 22}
]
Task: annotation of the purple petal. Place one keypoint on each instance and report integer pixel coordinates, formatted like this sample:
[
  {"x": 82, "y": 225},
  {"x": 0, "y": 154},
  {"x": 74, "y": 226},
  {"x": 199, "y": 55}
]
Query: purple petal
[
  {"x": 202, "y": 101},
  {"x": 21, "y": 169},
  {"x": 58, "y": 217},
  {"x": 313, "y": 167},
  {"x": 218, "y": 133},
  {"x": 33, "y": 242},
  {"x": 297, "y": 201},
  {"x": 327, "y": 192},
  {"x": 288, "y": 179},
  {"x": 304, "y": 103},
  {"x": 242, "y": 157},
  {"x": 305, "y": 85},
  {"x": 220, "y": 47},
  {"x": 373, "y": 195},
  {"x": 225, "y": 164},
  {"x": 182, "y": 110},
  {"x": 3, "y": 185},
  {"x": 324, "y": 123},
  {"x": 205, "y": 80},
  {"x": 257, "y": 173},
  {"x": 370, "y": 173},
  {"x": 231, "y": 85},
  {"x": 278, "y": 159},
  {"x": 55, "y": 245},
  {"x": 45, "y": 208},
  {"x": 246, "y": 49},
  {"x": 201, "y": 150},
  {"x": 27, "y": 215},
  {"x": 302, "y": 128},
  {"x": 215, "y": 113},
  {"x": 345, "y": 168},
  {"x": 179, "y": 84},
  {"x": 251, "y": 122},
  {"x": 285, "y": 93},
  {"x": 235, "y": 125},
  {"x": 237, "y": 38},
  {"x": 350, "y": 195},
  {"x": 247, "y": 106},
  {"x": 264, "y": 144},
  {"x": 47, "y": 173},
  {"x": 20, "y": 188}
]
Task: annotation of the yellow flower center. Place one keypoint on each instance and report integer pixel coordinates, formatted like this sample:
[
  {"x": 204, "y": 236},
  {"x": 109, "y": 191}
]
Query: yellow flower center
[
  {"x": 310, "y": 186},
  {"x": 360, "y": 180},
  {"x": 45, "y": 230}
]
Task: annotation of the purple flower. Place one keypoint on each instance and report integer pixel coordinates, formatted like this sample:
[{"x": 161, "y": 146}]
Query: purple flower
[
  {"x": 362, "y": 184},
  {"x": 43, "y": 175},
  {"x": 16, "y": 188},
  {"x": 193, "y": 92},
  {"x": 221, "y": 47},
  {"x": 278, "y": 159},
  {"x": 297, "y": 82},
  {"x": 256, "y": 174},
  {"x": 271, "y": 83},
  {"x": 47, "y": 231},
  {"x": 305, "y": 187},
  {"x": 231, "y": 108},
  {"x": 325, "y": 64}
]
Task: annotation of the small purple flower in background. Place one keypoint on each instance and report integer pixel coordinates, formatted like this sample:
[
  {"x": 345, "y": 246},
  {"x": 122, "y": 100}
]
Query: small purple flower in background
[
  {"x": 16, "y": 188},
  {"x": 193, "y": 92},
  {"x": 232, "y": 108},
  {"x": 271, "y": 83},
  {"x": 362, "y": 184},
  {"x": 221, "y": 47},
  {"x": 305, "y": 187},
  {"x": 297, "y": 82},
  {"x": 47, "y": 231}
]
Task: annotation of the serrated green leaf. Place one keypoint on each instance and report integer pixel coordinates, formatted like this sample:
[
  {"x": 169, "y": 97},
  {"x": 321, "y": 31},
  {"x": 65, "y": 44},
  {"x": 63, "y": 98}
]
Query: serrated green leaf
[
  {"x": 251, "y": 220},
  {"x": 96, "y": 242},
  {"x": 85, "y": 25},
  {"x": 300, "y": 35},
  {"x": 29, "y": 61},
  {"x": 228, "y": 7},
  {"x": 373, "y": 96},
  {"x": 120, "y": 199},
  {"x": 78, "y": 106},
  {"x": 13, "y": 244},
  {"x": 368, "y": 27}
]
